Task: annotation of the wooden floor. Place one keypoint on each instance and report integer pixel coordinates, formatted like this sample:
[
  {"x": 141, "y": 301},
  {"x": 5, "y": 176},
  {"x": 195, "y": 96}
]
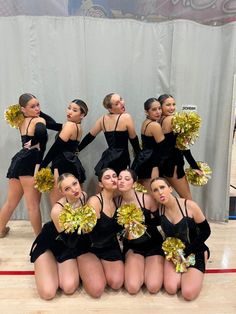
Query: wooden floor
[{"x": 18, "y": 292}]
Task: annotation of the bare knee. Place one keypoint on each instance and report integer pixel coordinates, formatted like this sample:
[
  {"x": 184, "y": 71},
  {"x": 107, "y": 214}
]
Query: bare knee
[
  {"x": 171, "y": 288},
  {"x": 133, "y": 287},
  {"x": 95, "y": 290},
  {"x": 189, "y": 293},
  {"x": 70, "y": 285},
  {"x": 153, "y": 287},
  {"x": 47, "y": 293},
  {"x": 115, "y": 282}
]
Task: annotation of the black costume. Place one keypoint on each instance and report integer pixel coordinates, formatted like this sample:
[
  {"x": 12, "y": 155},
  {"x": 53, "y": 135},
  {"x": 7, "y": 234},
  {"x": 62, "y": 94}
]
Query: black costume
[
  {"x": 175, "y": 158},
  {"x": 63, "y": 245},
  {"x": 64, "y": 158},
  {"x": 150, "y": 243},
  {"x": 104, "y": 241},
  {"x": 152, "y": 155},
  {"x": 116, "y": 156},
  {"x": 23, "y": 163},
  {"x": 192, "y": 234}
]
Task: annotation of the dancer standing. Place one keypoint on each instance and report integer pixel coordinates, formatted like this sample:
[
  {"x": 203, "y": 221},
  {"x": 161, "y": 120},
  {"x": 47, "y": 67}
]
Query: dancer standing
[{"x": 24, "y": 165}]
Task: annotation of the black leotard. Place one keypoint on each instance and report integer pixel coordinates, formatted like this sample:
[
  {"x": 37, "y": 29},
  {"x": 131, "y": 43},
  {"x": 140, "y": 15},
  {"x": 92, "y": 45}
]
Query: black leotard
[
  {"x": 186, "y": 230},
  {"x": 24, "y": 162},
  {"x": 104, "y": 240},
  {"x": 63, "y": 245},
  {"x": 151, "y": 242},
  {"x": 117, "y": 155}
]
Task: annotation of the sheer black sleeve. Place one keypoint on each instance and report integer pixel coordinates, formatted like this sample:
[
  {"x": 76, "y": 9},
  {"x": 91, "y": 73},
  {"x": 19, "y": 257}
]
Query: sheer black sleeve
[
  {"x": 88, "y": 138},
  {"x": 51, "y": 124},
  {"x": 55, "y": 149},
  {"x": 189, "y": 157},
  {"x": 40, "y": 137}
]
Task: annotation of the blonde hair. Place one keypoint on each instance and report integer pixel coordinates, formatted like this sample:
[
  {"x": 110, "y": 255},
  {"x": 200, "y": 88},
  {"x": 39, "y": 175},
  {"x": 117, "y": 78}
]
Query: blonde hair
[{"x": 62, "y": 177}]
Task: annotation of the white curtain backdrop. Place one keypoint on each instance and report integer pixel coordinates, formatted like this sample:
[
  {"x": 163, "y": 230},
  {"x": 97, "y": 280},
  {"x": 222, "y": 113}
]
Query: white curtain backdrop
[{"x": 62, "y": 58}]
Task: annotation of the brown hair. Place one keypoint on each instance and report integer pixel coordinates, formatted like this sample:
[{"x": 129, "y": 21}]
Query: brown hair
[
  {"x": 159, "y": 178},
  {"x": 107, "y": 101},
  {"x": 25, "y": 98}
]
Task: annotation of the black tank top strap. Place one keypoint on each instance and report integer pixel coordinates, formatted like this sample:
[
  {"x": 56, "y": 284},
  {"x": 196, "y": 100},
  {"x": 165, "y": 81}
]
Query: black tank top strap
[
  {"x": 161, "y": 121},
  {"x": 82, "y": 199},
  {"x": 117, "y": 121},
  {"x": 146, "y": 127},
  {"x": 100, "y": 200},
  {"x": 138, "y": 200},
  {"x": 77, "y": 131},
  {"x": 162, "y": 209},
  {"x": 118, "y": 201},
  {"x": 179, "y": 206},
  {"x": 28, "y": 126},
  {"x": 103, "y": 122},
  {"x": 185, "y": 206},
  {"x": 60, "y": 204}
]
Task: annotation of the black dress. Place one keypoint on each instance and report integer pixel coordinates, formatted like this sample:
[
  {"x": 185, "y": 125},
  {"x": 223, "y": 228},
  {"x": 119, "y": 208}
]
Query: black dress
[
  {"x": 150, "y": 243},
  {"x": 117, "y": 155},
  {"x": 23, "y": 163},
  {"x": 148, "y": 158},
  {"x": 187, "y": 231},
  {"x": 63, "y": 245},
  {"x": 104, "y": 241},
  {"x": 64, "y": 158},
  {"x": 175, "y": 158}
]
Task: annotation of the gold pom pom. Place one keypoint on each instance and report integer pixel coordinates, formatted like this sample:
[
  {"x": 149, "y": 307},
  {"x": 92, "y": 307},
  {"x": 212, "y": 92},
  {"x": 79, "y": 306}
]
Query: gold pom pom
[
  {"x": 44, "y": 180},
  {"x": 173, "y": 249},
  {"x": 186, "y": 125},
  {"x": 139, "y": 187},
  {"x": 83, "y": 218},
  {"x": 132, "y": 218},
  {"x": 14, "y": 116},
  {"x": 196, "y": 179}
]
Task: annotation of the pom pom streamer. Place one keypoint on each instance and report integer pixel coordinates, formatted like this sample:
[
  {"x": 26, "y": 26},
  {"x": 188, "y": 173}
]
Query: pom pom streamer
[
  {"x": 14, "y": 116},
  {"x": 83, "y": 218},
  {"x": 186, "y": 125},
  {"x": 173, "y": 249},
  {"x": 139, "y": 187},
  {"x": 132, "y": 218},
  {"x": 196, "y": 179},
  {"x": 44, "y": 180}
]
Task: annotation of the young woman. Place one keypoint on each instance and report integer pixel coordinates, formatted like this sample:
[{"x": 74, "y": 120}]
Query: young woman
[
  {"x": 54, "y": 252},
  {"x": 146, "y": 163},
  {"x": 118, "y": 128},
  {"x": 173, "y": 167},
  {"x": 24, "y": 164},
  {"x": 62, "y": 154},
  {"x": 103, "y": 264},
  {"x": 143, "y": 256},
  {"x": 182, "y": 219}
]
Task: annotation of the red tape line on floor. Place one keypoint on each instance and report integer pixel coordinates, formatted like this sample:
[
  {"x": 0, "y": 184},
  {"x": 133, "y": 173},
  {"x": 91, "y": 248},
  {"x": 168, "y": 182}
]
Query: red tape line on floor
[{"x": 31, "y": 272}]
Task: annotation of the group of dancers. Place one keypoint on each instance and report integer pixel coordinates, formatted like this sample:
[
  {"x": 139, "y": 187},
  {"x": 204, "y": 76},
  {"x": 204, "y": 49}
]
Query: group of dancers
[{"x": 105, "y": 256}]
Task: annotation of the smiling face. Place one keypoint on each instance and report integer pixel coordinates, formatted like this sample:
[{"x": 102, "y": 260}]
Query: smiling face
[
  {"x": 161, "y": 191},
  {"x": 108, "y": 180},
  {"x": 154, "y": 112},
  {"x": 168, "y": 106},
  {"x": 125, "y": 181},
  {"x": 74, "y": 113},
  {"x": 70, "y": 188},
  {"x": 32, "y": 108}
]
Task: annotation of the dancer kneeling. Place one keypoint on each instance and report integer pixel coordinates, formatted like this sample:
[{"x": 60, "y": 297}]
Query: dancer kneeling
[
  {"x": 142, "y": 241},
  {"x": 103, "y": 263},
  {"x": 54, "y": 252},
  {"x": 183, "y": 221}
]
